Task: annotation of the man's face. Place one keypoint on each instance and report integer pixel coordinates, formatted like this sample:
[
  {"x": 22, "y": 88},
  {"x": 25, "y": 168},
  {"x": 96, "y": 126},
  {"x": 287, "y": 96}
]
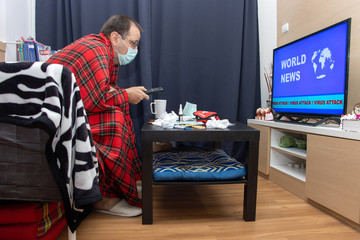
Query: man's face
[{"x": 131, "y": 40}]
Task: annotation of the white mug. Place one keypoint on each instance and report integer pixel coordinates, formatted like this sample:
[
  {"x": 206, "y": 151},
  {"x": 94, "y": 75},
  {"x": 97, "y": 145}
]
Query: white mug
[{"x": 160, "y": 107}]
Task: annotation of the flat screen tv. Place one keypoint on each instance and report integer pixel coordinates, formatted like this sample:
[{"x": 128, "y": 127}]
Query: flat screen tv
[{"x": 310, "y": 76}]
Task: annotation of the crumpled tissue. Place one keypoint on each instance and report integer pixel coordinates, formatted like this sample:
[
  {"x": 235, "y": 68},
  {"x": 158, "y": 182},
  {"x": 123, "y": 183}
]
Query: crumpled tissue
[
  {"x": 166, "y": 120},
  {"x": 222, "y": 124}
]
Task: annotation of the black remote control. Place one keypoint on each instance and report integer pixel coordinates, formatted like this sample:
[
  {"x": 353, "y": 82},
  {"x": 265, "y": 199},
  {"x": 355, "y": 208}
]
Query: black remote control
[{"x": 154, "y": 90}]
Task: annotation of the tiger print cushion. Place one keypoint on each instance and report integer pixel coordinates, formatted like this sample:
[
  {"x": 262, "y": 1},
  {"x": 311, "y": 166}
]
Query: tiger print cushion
[{"x": 196, "y": 166}]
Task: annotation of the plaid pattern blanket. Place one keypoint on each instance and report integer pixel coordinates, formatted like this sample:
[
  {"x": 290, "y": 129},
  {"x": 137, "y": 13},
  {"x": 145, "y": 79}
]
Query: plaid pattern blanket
[
  {"x": 51, "y": 213},
  {"x": 31, "y": 220}
]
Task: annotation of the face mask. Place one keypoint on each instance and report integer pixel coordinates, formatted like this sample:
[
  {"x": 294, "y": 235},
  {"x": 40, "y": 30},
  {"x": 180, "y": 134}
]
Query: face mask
[
  {"x": 189, "y": 109},
  {"x": 128, "y": 57}
]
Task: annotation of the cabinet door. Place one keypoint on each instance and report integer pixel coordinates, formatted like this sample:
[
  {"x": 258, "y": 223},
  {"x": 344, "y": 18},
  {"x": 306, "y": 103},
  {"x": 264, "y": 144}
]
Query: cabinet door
[
  {"x": 264, "y": 148},
  {"x": 333, "y": 174}
]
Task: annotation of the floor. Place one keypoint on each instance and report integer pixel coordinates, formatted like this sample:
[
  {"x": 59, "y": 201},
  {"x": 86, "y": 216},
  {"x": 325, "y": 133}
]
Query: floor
[{"x": 214, "y": 212}]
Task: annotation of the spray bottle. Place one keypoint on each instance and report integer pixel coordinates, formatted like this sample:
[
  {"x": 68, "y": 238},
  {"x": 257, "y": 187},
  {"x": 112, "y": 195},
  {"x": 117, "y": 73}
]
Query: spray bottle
[{"x": 181, "y": 113}]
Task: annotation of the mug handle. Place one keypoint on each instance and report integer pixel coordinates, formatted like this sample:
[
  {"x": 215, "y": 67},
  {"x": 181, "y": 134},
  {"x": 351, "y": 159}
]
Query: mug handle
[{"x": 151, "y": 108}]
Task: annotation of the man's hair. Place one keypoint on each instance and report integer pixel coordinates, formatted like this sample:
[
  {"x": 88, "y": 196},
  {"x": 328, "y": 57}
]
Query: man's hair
[{"x": 120, "y": 24}]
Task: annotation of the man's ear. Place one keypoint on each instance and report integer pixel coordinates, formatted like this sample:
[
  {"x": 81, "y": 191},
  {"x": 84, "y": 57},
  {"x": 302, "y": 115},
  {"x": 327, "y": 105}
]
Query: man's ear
[{"x": 114, "y": 37}]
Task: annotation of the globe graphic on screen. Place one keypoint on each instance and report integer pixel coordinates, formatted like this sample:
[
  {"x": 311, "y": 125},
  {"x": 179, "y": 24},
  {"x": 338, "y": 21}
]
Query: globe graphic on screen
[{"x": 322, "y": 62}]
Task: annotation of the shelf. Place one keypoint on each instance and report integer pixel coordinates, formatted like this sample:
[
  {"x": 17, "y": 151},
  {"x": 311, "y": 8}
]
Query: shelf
[
  {"x": 200, "y": 182},
  {"x": 298, "y": 173},
  {"x": 296, "y": 152},
  {"x": 281, "y": 157}
]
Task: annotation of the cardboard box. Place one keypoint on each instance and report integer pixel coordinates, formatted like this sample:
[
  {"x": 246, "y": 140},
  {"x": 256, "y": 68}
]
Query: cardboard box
[{"x": 2, "y": 51}]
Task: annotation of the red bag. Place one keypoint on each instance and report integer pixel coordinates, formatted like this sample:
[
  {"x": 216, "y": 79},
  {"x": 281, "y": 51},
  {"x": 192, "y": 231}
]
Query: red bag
[{"x": 204, "y": 116}]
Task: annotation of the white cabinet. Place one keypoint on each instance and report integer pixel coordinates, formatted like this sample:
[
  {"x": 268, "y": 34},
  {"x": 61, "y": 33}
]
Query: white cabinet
[
  {"x": 333, "y": 176},
  {"x": 331, "y": 171}
]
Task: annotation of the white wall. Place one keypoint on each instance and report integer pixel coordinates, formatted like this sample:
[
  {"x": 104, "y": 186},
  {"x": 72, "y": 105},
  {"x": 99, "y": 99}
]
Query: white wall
[
  {"x": 267, "y": 16},
  {"x": 17, "y": 19}
]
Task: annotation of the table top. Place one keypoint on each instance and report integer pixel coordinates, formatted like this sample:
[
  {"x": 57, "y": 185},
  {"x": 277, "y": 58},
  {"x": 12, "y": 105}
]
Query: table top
[{"x": 236, "y": 132}]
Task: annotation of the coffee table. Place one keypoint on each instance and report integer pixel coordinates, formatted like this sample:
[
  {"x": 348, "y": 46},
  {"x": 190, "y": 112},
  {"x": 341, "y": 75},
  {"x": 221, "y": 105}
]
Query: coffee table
[{"x": 237, "y": 133}]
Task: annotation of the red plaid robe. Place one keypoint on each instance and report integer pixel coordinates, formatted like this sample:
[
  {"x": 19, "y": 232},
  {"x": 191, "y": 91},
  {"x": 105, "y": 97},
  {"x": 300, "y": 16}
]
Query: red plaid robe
[{"x": 91, "y": 60}]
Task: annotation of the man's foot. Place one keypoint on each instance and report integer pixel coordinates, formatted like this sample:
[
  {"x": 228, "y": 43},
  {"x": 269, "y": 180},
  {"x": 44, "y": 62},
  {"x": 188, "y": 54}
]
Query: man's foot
[
  {"x": 123, "y": 209},
  {"x": 106, "y": 203}
]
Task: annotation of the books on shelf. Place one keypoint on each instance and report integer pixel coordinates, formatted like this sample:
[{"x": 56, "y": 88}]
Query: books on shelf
[
  {"x": 31, "y": 51},
  {"x": 43, "y": 52},
  {"x": 19, "y": 52}
]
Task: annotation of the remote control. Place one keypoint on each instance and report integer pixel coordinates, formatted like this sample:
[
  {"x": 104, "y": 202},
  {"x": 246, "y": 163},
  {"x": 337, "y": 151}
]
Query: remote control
[{"x": 154, "y": 90}]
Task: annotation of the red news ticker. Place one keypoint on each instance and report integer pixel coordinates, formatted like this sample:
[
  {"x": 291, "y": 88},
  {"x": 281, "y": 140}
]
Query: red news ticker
[{"x": 317, "y": 102}]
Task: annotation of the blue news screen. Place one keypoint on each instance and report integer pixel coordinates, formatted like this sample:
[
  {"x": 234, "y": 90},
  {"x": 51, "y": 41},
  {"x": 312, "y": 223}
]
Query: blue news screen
[{"x": 310, "y": 74}]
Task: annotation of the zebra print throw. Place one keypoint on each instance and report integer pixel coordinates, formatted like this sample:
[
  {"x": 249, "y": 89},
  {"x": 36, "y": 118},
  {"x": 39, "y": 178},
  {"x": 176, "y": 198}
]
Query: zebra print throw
[{"x": 35, "y": 93}]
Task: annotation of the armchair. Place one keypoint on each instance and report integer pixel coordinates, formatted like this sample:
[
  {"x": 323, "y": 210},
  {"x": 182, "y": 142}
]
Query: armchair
[{"x": 43, "y": 121}]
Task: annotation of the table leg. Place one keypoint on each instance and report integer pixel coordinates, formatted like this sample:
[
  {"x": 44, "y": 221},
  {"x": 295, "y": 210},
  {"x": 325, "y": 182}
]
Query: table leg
[
  {"x": 250, "y": 190},
  {"x": 147, "y": 182}
]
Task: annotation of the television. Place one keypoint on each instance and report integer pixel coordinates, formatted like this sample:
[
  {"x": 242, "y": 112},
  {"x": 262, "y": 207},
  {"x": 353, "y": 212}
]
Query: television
[{"x": 310, "y": 76}]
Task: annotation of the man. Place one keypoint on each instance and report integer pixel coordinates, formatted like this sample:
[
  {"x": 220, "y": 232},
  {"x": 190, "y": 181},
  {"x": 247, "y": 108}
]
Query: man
[{"x": 95, "y": 59}]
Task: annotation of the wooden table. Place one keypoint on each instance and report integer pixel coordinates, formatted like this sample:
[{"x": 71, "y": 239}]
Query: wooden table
[{"x": 236, "y": 133}]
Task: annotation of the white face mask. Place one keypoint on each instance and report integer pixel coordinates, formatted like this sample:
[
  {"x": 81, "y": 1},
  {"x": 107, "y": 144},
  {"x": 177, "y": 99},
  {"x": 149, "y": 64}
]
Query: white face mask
[{"x": 128, "y": 57}]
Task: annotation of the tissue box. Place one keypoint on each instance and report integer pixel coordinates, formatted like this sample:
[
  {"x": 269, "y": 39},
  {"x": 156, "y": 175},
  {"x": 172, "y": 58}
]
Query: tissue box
[
  {"x": 351, "y": 125},
  {"x": 2, "y": 51}
]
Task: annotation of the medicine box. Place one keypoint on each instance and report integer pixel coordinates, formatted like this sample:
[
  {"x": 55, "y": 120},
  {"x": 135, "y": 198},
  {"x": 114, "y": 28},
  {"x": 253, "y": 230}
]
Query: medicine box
[{"x": 351, "y": 125}]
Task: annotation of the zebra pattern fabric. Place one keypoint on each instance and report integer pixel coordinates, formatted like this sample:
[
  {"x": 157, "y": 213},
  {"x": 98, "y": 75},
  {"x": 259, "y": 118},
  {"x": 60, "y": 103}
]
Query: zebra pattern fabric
[{"x": 35, "y": 93}]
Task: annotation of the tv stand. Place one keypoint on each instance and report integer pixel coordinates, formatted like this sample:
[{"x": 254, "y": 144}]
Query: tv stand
[
  {"x": 305, "y": 120},
  {"x": 330, "y": 177}
]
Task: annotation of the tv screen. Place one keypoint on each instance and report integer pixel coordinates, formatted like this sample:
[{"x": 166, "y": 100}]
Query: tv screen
[{"x": 310, "y": 74}]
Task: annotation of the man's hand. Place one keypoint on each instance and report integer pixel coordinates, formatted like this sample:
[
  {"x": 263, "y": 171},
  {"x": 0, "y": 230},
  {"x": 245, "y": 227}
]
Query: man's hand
[{"x": 136, "y": 94}]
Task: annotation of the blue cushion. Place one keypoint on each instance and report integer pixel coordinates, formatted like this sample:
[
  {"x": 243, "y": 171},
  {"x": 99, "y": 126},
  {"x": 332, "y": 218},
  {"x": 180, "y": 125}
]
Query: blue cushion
[{"x": 213, "y": 165}]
